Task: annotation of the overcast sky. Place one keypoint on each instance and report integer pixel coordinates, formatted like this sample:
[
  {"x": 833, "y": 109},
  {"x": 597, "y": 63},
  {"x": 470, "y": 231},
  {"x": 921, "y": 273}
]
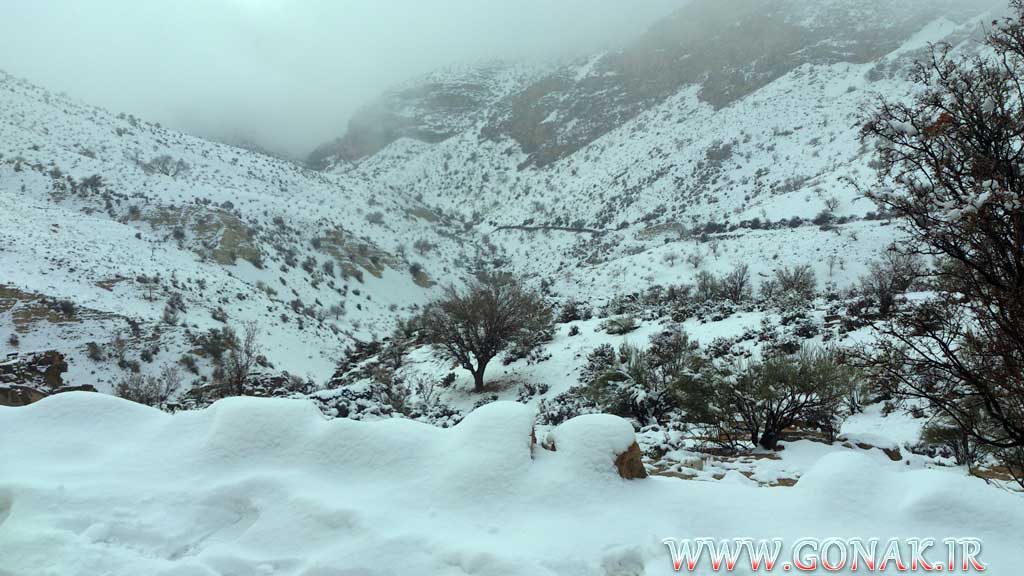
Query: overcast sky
[{"x": 285, "y": 73}]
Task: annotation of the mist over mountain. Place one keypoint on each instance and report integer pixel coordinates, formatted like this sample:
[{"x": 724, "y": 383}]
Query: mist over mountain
[{"x": 286, "y": 75}]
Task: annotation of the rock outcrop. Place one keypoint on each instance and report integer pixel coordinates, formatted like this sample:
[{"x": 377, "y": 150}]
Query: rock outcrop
[
  {"x": 39, "y": 370},
  {"x": 630, "y": 463}
]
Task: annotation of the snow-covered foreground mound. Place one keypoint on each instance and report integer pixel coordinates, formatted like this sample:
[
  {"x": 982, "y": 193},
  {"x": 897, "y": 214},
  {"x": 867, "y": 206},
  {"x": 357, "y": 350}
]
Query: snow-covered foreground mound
[{"x": 91, "y": 484}]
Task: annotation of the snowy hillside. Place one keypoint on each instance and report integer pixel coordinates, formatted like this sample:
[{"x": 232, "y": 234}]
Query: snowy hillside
[
  {"x": 120, "y": 217},
  {"x": 163, "y": 237},
  {"x": 527, "y": 318},
  {"x": 770, "y": 178}
]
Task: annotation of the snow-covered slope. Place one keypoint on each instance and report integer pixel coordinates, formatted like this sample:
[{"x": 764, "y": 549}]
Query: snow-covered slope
[
  {"x": 120, "y": 217},
  {"x": 769, "y": 177},
  {"x": 113, "y": 229}
]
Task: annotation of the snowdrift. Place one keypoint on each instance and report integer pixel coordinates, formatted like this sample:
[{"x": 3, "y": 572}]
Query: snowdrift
[{"x": 90, "y": 484}]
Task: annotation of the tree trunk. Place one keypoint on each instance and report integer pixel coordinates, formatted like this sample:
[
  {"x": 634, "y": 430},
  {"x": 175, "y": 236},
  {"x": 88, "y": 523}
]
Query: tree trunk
[
  {"x": 769, "y": 440},
  {"x": 478, "y": 374}
]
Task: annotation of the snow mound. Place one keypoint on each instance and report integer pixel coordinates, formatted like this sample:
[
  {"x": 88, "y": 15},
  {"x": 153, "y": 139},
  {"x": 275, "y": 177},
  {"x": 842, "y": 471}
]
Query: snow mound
[
  {"x": 91, "y": 484},
  {"x": 591, "y": 443}
]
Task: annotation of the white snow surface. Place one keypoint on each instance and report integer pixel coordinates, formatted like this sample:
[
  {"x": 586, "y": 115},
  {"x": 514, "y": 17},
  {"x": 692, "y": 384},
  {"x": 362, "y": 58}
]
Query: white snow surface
[{"x": 94, "y": 485}]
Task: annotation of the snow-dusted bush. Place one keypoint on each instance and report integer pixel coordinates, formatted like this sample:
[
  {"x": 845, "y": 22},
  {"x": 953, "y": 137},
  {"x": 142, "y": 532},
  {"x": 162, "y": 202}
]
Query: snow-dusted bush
[
  {"x": 152, "y": 391},
  {"x": 642, "y": 384},
  {"x": 888, "y": 277},
  {"x": 951, "y": 438},
  {"x": 755, "y": 401},
  {"x": 791, "y": 284},
  {"x": 565, "y": 406},
  {"x": 619, "y": 326},
  {"x": 573, "y": 310}
]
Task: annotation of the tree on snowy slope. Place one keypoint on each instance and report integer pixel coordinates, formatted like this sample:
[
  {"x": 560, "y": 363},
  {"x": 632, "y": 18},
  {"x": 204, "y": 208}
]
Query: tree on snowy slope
[
  {"x": 472, "y": 326},
  {"x": 955, "y": 154}
]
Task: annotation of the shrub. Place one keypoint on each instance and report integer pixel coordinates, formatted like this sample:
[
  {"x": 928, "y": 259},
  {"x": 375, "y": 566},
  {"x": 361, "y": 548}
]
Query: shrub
[
  {"x": 422, "y": 246},
  {"x": 888, "y": 277},
  {"x": 13, "y": 340},
  {"x": 620, "y": 326},
  {"x": 170, "y": 315},
  {"x": 572, "y": 311},
  {"x": 216, "y": 342},
  {"x": 823, "y": 218},
  {"x": 791, "y": 283},
  {"x": 189, "y": 362},
  {"x": 565, "y": 406},
  {"x": 392, "y": 391},
  {"x": 642, "y": 384},
  {"x": 949, "y": 435},
  {"x": 66, "y": 307},
  {"x": 149, "y": 390},
  {"x": 758, "y": 400}
]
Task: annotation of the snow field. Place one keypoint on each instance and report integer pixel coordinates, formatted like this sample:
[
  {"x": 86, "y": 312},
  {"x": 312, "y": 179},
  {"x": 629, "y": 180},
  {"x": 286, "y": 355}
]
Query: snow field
[{"x": 96, "y": 485}]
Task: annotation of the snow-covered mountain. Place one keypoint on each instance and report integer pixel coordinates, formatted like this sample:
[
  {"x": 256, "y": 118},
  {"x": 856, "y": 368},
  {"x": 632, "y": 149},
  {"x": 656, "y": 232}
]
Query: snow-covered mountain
[
  {"x": 595, "y": 174},
  {"x": 726, "y": 139},
  {"x": 158, "y": 237},
  {"x": 720, "y": 137}
]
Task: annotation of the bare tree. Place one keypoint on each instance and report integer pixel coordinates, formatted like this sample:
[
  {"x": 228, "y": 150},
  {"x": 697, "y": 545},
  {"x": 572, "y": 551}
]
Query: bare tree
[
  {"x": 242, "y": 360},
  {"x": 166, "y": 165},
  {"x": 736, "y": 284},
  {"x": 152, "y": 391},
  {"x": 893, "y": 274},
  {"x": 472, "y": 326},
  {"x": 831, "y": 204},
  {"x": 797, "y": 281},
  {"x": 955, "y": 154}
]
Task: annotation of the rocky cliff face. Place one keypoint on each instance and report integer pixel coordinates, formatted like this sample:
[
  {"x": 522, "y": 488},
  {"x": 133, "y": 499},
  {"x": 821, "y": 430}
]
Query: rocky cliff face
[
  {"x": 430, "y": 109},
  {"x": 729, "y": 49}
]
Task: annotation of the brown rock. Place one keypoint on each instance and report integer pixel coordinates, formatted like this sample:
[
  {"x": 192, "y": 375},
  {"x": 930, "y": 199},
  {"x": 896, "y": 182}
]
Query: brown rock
[
  {"x": 37, "y": 370},
  {"x": 893, "y": 454},
  {"x": 15, "y": 395},
  {"x": 630, "y": 463},
  {"x": 55, "y": 367}
]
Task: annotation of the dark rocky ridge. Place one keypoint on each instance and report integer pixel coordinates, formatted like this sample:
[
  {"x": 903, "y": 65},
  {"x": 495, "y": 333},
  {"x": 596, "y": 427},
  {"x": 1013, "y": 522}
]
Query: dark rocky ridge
[
  {"x": 729, "y": 48},
  {"x": 431, "y": 109}
]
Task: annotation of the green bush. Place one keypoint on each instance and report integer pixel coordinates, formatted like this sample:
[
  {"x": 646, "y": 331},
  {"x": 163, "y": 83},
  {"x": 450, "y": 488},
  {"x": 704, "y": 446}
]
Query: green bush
[{"x": 756, "y": 401}]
